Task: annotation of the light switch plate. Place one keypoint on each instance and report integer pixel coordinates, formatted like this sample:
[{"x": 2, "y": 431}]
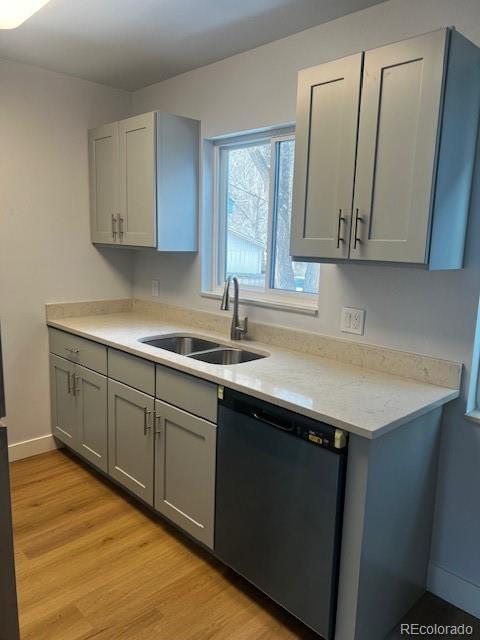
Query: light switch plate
[{"x": 352, "y": 321}]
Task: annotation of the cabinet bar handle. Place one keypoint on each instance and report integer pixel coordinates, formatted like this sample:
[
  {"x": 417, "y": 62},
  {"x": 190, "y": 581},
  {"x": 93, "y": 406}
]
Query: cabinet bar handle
[
  {"x": 357, "y": 220},
  {"x": 159, "y": 424},
  {"x": 69, "y": 382},
  {"x": 146, "y": 423},
  {"x": 114, "y": 226},
  {"x": 120, "y": 226},
  {"x": 75, "y": 380},
  {"x": 340, "y": 220}
]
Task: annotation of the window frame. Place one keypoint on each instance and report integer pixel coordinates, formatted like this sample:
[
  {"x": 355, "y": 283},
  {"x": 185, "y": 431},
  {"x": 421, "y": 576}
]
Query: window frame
[{"x": 267, "y": 295}]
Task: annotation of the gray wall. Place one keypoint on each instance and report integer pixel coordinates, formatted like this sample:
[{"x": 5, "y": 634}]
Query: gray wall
[
  {"x": 45, "y": 249},
  {"x": 432, "y": 313}
]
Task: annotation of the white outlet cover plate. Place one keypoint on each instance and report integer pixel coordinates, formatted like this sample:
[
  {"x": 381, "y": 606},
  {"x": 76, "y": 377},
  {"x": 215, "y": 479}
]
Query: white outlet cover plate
[
  {"x": 352, "y": 321},
  {"x": 155, "y": 288}
]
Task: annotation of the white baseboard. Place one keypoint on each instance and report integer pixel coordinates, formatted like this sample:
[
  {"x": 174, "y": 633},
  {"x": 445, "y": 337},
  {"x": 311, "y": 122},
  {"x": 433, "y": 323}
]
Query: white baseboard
[
  {"x": 33, "y": 447},
  {"x": 454, "y": 589}
]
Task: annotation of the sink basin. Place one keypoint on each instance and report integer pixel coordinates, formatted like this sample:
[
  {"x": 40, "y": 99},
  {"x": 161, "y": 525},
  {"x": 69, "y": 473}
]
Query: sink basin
[
  {"x": 202, "y": 349},
  {"x": 184, "y": 345},
  {"x": 226, "y": 356}
]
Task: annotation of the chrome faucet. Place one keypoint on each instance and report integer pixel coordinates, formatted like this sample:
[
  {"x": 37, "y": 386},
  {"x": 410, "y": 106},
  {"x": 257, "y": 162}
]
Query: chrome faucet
[{"x": 237, "y": 331}]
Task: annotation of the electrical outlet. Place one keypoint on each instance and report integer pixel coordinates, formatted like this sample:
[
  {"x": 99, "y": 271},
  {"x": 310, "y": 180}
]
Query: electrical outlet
[
  {"x": 352, "y": 321},
  {"x": 155, "y": 288}
]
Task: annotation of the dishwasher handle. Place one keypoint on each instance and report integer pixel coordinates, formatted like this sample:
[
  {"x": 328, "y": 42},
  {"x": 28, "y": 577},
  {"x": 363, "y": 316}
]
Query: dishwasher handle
[{"x": 273, "y": 423}]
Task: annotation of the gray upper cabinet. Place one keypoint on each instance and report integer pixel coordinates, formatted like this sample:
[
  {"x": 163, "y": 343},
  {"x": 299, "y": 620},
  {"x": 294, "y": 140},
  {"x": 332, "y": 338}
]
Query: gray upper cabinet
[
  {"x": 104, "y": 187},
  {"x": 185, "y": 453},
  {"x": 415, "y": 152},
  {"x": 326, "y": 139},
  {"x": 144, "y": 182},
  {"x": 130, "y": 439},
  {"x": 137, "y": 223},
  {"x": 397, "y": 139}
]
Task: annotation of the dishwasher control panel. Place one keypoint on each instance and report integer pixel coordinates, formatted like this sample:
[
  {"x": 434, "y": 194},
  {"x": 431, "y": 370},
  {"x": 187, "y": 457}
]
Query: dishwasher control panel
[
  {"x": 331, "y": 439},
  {"x": 316, "y": 433}
]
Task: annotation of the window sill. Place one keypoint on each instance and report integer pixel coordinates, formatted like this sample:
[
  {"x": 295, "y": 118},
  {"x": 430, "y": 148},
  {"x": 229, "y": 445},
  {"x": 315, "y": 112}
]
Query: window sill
[
  {"x": 294, "y": 306},
  {"x": 473, "y": 416}
]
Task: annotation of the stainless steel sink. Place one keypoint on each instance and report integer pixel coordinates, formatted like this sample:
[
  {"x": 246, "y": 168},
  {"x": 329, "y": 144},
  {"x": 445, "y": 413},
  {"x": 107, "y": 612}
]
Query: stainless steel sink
[
  {"x": 226, "y": 356},
  {"x": 202, "y": 349},
  {"x": 184, "y": 345}
]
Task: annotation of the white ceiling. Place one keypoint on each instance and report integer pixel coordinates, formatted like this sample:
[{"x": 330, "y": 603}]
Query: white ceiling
[{"x": 133, "y": 43}]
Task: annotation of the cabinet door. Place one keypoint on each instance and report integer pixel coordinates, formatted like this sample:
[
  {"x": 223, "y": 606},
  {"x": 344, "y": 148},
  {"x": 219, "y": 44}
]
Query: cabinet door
[
  {"x": 137, "y": 223},
  {"x": 326, "y": 138},
  {"x": 90, "y": 389},
  {"x": 104, "y": 188},
  {"x": 399, "y": 118},
  {"x": 130, "y": 439},
  {"x": 63, "y": 402},
  {"x": 185, "y": 453}
]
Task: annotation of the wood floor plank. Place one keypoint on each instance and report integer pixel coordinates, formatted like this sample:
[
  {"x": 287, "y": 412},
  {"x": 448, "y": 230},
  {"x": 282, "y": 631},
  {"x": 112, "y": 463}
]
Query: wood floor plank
[{"x": 94, "y": 565}]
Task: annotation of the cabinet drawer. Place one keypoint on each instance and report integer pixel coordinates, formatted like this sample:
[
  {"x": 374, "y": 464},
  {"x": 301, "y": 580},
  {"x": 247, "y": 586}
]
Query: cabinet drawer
[
  {"x": 187, "y": 392},
  {"x": 79, "y": 350},
  {"x": 132, "y": 371}
]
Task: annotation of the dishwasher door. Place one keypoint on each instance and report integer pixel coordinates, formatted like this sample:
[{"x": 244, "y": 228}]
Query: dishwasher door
[{"x": 279, "y": 504}]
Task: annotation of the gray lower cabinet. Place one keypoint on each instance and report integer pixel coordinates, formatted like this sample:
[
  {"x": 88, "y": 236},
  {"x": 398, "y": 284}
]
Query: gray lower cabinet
[
  {"x": 63, "y": 401},
  {"x": 79, "y": 409},
  {"x": 90, "y": 391},
  {"x": 185, "y": 453},
  {"x": 130, "y": 439},
  {"x": 161, "y": 453}
]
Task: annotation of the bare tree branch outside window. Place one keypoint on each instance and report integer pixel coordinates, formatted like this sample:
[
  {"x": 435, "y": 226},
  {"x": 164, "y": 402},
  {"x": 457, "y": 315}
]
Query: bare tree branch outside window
[{"x": 250, "y": 182}]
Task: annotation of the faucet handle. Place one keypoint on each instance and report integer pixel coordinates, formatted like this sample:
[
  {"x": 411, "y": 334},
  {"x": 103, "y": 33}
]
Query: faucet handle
[
  {"x": 244, "y": 326},
  {"x": 224, "y": 305}
]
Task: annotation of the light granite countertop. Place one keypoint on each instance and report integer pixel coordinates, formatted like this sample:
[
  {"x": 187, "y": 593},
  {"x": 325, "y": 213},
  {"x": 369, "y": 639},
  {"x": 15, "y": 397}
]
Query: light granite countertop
[{"x": 363, "y": 401}]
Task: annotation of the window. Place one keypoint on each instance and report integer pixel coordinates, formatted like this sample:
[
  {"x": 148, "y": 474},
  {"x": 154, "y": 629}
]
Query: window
[{"x": 253, "y": 217}]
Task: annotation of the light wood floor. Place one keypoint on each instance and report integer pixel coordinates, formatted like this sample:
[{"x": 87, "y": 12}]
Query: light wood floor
[{"x": 91, "y": 563}]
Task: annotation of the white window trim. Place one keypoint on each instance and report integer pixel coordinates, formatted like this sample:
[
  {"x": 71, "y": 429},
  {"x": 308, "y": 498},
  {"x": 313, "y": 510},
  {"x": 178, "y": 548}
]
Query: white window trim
[
  {"x": 473, "y": 395},
  {"x": 283, "y": 302},
  {"x": 473, "y": 416},
  {"x": 304, "y": 303}
]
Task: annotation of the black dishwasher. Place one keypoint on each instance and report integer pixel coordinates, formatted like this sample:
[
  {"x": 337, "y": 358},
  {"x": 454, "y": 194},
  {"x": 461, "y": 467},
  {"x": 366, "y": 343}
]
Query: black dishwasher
[{"x": 279, "y": 504}]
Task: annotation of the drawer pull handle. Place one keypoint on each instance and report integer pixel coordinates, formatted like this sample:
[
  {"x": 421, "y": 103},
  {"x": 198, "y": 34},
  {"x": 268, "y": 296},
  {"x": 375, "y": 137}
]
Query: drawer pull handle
[{"x": 72, "y": 350}]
